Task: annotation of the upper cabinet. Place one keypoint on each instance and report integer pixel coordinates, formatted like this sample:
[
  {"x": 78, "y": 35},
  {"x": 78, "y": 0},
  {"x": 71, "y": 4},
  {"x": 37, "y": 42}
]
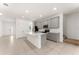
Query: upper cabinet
[
  {"x": 54, "y": 22},
  {"x": 51, "y": 22}
]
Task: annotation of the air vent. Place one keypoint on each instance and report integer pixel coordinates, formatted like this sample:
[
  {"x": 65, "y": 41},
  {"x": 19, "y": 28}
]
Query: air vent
[{"x": 5, "y": 4}]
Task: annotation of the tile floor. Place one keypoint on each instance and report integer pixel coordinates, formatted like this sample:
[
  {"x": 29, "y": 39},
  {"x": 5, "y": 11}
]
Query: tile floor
[{"x": 10, "y": 46}]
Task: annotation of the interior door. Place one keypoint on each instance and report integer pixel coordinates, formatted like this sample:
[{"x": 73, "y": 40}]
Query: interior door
[{"x": 8, "y": 28}]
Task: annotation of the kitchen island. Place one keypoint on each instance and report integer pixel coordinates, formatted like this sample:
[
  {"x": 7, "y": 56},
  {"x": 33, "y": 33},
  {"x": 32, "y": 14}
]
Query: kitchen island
[{"x": 37, "y": 39}]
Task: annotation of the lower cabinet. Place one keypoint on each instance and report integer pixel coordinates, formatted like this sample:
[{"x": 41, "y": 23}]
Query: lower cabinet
[{"x": 53, "y": 37}]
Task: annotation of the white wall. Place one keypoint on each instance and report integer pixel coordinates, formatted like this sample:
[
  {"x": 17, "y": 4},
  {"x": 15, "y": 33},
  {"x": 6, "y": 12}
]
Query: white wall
[
  {"x": 71, "y": 25},
  {"x": 5, "y": 25},
  {"x": 7, "y": 28},
  {"x": 0, "y": 28},
  {"x": 8, "y": 24},
  {"x": 22, "y": 27},
  {"x": 19, "y": 26}
]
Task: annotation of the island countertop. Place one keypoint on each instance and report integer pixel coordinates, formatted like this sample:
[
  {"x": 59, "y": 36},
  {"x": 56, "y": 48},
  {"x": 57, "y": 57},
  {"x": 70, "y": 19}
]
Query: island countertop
[
  {"x": 35, "y": 33},
  {"x": 37, "y": 39}
]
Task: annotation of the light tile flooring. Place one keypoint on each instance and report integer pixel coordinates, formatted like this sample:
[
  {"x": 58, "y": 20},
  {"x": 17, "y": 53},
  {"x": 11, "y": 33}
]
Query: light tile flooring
[{"x": 20, "y": 46}]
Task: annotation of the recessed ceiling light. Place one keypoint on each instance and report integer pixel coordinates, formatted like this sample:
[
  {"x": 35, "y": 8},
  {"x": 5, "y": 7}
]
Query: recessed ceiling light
[
  {"x": 27, "y": 11},
  {"x": 23, "y": 16},
  {"x": 1, "y": 13},
  {"x": 41, "y": 15},
  {"x": 54, "y": 8}
]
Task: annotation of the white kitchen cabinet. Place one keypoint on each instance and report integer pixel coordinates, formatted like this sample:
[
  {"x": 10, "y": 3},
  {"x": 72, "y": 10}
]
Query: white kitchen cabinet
[
  {"x": 55, "y": 25},
  {"x": 54, "y": 35}
]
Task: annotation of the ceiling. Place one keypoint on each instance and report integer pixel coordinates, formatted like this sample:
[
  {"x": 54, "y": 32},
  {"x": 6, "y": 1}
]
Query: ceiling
[{"x": 35, "y": 11}]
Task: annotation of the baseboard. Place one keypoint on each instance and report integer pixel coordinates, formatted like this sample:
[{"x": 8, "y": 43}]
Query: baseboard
[{"x": 73, "y": 38}]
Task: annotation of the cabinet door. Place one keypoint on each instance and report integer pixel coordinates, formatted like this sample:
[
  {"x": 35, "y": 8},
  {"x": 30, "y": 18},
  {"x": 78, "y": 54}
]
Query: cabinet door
[
  {"x": 45, "y": 23},
  {"x": 54, "y": 22}
]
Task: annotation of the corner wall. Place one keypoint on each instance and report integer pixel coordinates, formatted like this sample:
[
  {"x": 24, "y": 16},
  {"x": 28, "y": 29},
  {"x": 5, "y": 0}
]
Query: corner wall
[
  {"x": 23, "y": 27},
  {"x": 71, "y": 25}
]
